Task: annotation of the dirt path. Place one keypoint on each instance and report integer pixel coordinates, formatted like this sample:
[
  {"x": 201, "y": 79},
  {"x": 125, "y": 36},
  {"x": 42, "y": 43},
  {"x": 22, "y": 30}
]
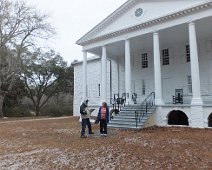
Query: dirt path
[
  {"x": 56, "y": 144},
  {"x": 13, "y": 120}
]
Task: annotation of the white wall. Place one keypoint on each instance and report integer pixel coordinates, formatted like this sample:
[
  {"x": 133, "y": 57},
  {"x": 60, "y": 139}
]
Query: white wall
[{"x": 93, "y": 81}]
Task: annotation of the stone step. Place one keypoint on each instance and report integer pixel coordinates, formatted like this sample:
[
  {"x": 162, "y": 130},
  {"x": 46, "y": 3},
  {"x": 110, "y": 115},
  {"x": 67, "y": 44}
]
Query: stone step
[
  {"x": 124, "y": 119},
  {"x": 127, "y": 112},
  {"x": 125, "y": 126},
  {"x": 132, "y": 106},
  {"x": 129, "y": 115},
  {"x": 133, "y": 110},
  {"x": 125, "y": 123}
]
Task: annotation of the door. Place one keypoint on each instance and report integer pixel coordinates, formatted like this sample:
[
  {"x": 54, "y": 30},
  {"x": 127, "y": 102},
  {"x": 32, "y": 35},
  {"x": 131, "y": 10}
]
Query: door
[{"x": 167, "y": 90}]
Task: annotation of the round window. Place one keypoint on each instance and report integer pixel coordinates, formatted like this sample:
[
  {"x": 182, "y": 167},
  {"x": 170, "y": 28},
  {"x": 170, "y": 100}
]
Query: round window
[{"x": 138, "y": 12}]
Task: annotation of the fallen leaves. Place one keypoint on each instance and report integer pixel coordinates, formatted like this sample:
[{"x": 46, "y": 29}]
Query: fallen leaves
[{"x": 56, "y": 144}]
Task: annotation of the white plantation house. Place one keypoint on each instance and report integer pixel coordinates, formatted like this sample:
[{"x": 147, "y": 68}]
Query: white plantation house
[{"x": 158, "y": 50}]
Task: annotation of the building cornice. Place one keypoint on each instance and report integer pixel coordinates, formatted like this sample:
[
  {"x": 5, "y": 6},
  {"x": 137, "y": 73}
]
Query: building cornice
[{"x": 85, "y": 40}]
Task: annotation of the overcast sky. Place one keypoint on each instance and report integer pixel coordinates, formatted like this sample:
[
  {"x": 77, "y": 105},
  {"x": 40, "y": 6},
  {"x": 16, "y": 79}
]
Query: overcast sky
[{"x": 72, "y": 19}]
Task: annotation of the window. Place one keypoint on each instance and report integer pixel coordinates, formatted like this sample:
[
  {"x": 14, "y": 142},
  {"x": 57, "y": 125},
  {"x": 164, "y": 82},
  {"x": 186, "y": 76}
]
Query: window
[
  {"x": 189, "y": 84},
  {"x": 144, "y": 60},
  {"x": 187, "y": 53},
  {"x": 165, "y": 56},
  {"x": 99, "y": 89},
  {"x": 143, "y": 87}
]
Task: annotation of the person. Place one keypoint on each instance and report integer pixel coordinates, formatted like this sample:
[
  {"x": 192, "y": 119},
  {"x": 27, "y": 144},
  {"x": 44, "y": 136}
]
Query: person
[
  {"x": 85, "y": 116},
  {"x": 103, "y": 118}
]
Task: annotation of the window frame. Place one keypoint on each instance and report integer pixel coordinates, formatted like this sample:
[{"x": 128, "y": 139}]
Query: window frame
[
  {"x": 143, "y": 89},
  {"x": 99, "y": 90},
  {"x": 144, "y": 60},
  {"x": 165, "y": 56},
  {"x": 188, "y": 54}
]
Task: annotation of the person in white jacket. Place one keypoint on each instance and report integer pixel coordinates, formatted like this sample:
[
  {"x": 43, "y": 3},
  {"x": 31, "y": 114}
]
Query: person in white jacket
[{"x": 85, "y": 116}]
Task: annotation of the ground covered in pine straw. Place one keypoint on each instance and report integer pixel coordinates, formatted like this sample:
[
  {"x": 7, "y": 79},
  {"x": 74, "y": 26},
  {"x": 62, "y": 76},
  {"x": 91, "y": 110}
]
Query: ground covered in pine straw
[{"x": 56, "y": 144}]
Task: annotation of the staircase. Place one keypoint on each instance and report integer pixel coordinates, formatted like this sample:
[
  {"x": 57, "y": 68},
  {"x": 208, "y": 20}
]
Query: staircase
[
  {"x": 134, "y": 116},
  {"x": 126, "y": 118}
]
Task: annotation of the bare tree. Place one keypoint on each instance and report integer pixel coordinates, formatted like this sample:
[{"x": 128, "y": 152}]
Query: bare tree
[{"x": 21, "y": 27}]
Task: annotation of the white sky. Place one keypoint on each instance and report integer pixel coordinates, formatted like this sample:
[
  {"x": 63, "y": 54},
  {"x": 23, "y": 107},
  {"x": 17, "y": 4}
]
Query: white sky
[{"x": 72, "y": 19}]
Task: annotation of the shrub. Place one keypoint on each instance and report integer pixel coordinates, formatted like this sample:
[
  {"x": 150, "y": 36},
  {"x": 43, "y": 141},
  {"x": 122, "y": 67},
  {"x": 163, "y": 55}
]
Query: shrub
[
  {"x": 17, "y": 111},
  {"x": 57, "y": 111}
]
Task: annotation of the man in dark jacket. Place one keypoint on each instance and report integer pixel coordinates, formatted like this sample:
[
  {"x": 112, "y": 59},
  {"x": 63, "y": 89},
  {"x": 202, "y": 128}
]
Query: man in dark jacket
[{"x": 85, "y": 116}]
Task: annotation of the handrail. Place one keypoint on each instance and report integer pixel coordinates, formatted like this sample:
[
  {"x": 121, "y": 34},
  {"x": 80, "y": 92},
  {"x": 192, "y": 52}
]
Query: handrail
[
  {"x": 145, "y": 106},
  {"x": 118, "y": 102}
]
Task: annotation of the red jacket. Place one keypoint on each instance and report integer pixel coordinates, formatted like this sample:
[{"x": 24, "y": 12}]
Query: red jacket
[{"x": 107, "y": 114}]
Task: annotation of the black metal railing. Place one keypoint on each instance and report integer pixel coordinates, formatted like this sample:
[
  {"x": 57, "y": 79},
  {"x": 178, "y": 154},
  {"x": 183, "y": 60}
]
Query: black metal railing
[
  {"x": 146, "y": 105},
  {"x": 119, "y": 101}
]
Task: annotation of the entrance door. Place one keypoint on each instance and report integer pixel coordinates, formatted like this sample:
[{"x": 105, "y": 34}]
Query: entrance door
[{"x": 167, "y": 90}]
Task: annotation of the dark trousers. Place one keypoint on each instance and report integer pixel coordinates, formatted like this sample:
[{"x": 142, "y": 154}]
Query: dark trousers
[
  {"x": 103, "y": 126},
  {"x": 84, "y": 123}
]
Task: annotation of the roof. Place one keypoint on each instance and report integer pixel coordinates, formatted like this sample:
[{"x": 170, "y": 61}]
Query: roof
[
  {"x": 107, "y": 20},
  {"x": 93, "y": 58},
  {"x": 90, "y": 36}
]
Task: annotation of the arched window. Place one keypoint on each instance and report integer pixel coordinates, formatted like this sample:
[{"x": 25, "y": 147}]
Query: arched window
[{"x": 177, "y": 117}]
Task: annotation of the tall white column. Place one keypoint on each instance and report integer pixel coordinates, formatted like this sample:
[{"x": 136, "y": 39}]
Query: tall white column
[
  {"x": 196, "y": 100},
  {"x": 128, "y": 89},
  {"x": 84, "y": 75},
  {"x": 157, "y": 70},
  {"x": 104, "y": 74}
]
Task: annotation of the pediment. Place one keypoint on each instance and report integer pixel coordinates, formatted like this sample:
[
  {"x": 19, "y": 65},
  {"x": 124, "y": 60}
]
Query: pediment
[{"x": 135, "y": 12}]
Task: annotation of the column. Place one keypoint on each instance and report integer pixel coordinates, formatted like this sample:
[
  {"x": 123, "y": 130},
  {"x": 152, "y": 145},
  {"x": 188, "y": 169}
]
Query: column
[
  {"x": 157, "y": 70},
  {"x": 196, "y": 99},
  {"x": 128, "y": 72},
  {"x": 84, "y": 75},
  {"x": 104, "y": 74}
]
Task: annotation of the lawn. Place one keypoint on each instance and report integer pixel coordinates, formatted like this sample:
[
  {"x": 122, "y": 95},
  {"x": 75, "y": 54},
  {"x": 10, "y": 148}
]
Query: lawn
[{"x": 56, "y": 144}]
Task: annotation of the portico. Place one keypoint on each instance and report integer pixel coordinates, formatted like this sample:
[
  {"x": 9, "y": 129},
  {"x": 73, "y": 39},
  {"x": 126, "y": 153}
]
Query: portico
[
  {"x": 124, "y": 49},
  {"x": 151, "y": 57}
]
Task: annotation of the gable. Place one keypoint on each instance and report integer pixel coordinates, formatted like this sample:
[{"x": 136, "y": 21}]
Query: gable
[
  {"x": 139, "y": 11},
  {"x": 149, "y": 10}
]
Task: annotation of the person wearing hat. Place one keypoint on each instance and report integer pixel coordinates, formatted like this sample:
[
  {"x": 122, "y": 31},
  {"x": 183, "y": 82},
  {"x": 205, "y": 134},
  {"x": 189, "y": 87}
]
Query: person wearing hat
[{"x": 85, "y": 116}]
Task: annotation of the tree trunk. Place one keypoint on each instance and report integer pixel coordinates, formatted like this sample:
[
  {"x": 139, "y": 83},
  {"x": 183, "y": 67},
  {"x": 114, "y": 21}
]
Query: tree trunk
[
  {"x": 37, "y": 110},
  {"x": 38, "y": 106},
  {"x": 1, "y": 105}
]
